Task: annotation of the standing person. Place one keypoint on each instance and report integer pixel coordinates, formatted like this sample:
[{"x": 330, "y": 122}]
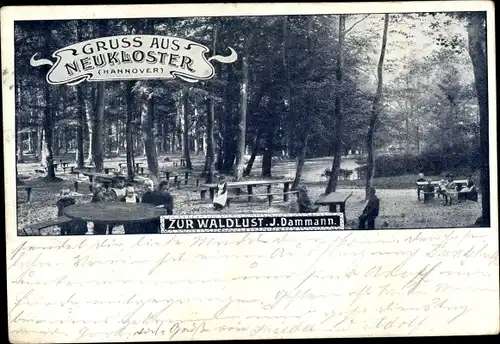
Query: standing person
[
  {"x": 99, "y": 197},
  {"x": 370, "y": 212}
]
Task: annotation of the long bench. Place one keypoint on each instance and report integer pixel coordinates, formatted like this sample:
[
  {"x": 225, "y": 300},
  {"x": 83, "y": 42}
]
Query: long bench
[
  {"x": 49, "y": 223},
  {"x": 269, "y": 196}
]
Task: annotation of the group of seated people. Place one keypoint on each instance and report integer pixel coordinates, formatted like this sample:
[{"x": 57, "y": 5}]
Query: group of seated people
[
  {"x": 448, "y": 188},
  {"x": 119, "y": 192}
]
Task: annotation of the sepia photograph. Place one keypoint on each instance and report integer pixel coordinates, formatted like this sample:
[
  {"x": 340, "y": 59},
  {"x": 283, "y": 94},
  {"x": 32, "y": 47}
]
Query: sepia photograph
[{"x": 380, "y": 120}]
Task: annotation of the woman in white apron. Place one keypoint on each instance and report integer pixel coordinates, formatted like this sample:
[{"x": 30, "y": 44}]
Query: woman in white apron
[{"x": 220, "y": 197}]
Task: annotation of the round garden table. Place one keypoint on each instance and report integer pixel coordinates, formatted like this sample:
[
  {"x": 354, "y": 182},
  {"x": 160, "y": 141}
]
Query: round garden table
[{"x": 114, "y": 212}]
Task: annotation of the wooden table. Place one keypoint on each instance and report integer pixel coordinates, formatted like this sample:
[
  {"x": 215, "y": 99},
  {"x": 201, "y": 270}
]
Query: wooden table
[
  {"x": 333, "y": 199},
  {"x": 420, "y": 187},
  {"x": 186, "y": 175},
  {"x": 114, "y": 212},
  {"x": 250, "y": 184},
  {"x": 104, "y": 176}
]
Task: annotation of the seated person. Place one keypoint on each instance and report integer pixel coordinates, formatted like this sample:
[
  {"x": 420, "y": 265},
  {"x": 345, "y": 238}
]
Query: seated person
[
  {"x": 99, "y": 197},
  {"x": 370, "y": 212},
  {"x": 117, "y": 188},
  {"x": 442, "y": 188},
  {"x": 451, "y": 190},
  {"x": 220, "y": 197},
  {"x": 131, "y": 197},
  {"x": 74, "y": 227},
  {"x": 428, "y": 190},
  {"x": 305, "y": 204},
  {"x": 470, "y": 190}
]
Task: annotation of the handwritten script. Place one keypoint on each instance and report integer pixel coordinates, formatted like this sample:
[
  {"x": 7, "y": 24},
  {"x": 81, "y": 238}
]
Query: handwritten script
[{"x": 258, "y": 285}]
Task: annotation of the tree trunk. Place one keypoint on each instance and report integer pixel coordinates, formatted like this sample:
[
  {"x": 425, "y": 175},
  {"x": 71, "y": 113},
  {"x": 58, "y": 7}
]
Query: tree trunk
[
  {"x": 48, "y": 125},
  {"x": 209, "y": 169},
  {"x": 370, "y": 168},
  {"x": 128, "y": 130},
  {"x": 80, "y": 161},
  {"x": 288, "y": 87},
  {"x": 98, "y": 129},
  {"x": 301, "y": 160},
  {"x": 255, "y": 149},
  {"x": 39, "y": 144},
  {"x": 309, "y": 118},
  {"x": 477, "y": 52},
  {"x": 337, "y": 142},
  {"x": 147, "y": 120},
  {"x": 185, "y": 132},
  {"x": 240, "y": 152},
  {"x": 90, "y": 125},
  {"x": 19, "y": 135}
]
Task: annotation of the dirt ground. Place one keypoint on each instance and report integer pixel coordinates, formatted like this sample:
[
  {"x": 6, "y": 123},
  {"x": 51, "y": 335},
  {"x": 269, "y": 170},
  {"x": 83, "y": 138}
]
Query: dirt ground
[{"x": 399, "y": 207}]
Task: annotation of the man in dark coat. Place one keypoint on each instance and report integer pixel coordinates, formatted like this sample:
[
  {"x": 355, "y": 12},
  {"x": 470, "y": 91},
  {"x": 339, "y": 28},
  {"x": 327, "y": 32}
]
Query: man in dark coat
[
  {"x": 305, "y": 204},
  {"x": 367, "y": 218},
  {"x": 74, "y": 227},
  {"x": 161, "y": 197}
]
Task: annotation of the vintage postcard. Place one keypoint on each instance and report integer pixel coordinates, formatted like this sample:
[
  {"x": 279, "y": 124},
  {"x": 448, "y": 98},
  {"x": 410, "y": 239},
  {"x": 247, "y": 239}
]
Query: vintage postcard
[{"x": 246, "y": 171}]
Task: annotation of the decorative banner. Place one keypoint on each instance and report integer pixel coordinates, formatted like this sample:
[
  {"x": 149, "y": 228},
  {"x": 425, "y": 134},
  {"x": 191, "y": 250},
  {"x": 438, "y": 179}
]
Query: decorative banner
[{"x": 131, "y": 57}]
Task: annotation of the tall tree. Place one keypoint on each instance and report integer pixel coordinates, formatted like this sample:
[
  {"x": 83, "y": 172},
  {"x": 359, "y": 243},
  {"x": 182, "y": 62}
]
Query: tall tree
[
  {"x": 48, "y": 118},
  {"x": 98, "y": 128},
  {"x": 339, "y": 74},
  {"x": 147, "y": 121},
  {"x": 240, "y": 153},
  {"x": 80, "y": 158},
  {"x": 308, "y": 121},
  {"x": 209, "y": 169},
  {"x": 477, "y": 52},
  {"x": 184, "y": 99},
  {"x": 376, "y": 109},
  {"x": 129, "y": 91}
]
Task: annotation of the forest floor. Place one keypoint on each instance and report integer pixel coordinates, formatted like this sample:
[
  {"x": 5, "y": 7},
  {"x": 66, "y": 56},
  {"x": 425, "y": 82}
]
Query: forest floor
[{"x": 399, "y": 207}]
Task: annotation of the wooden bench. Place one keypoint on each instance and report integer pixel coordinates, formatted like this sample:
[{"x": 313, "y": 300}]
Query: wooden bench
[
  {"x": 68, "y": 167},
  {"x": 269, "y": 196},
  {"x": 27, "y": 189},
  {"x": 49, "y": 223},
  {"x": 78, "y": 182}
]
